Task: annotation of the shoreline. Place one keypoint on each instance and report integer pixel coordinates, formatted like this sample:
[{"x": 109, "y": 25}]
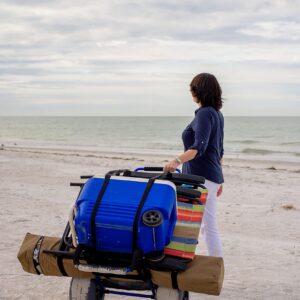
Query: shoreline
[{"x": 272, "y": 165}]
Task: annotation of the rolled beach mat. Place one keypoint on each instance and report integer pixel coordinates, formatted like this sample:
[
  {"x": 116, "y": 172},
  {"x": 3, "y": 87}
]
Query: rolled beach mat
[
  {"x": 204, "y": 274},
  {"x": 35, "y": 261}
]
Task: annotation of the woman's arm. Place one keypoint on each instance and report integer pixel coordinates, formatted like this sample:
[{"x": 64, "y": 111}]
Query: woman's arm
[{"x": 184, "y": 157}]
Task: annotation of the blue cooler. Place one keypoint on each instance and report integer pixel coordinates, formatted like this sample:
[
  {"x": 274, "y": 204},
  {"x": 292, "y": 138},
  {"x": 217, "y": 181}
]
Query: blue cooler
[{"x": 120, "y": 209}]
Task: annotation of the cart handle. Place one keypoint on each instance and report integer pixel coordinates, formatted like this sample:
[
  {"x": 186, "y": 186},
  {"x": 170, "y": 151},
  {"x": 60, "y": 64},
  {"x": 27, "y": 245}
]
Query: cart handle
[{"x": 154, "y": 169}]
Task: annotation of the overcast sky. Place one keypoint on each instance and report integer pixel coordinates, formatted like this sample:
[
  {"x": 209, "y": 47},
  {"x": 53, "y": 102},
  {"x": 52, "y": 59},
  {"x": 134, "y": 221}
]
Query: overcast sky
[{"x": 138, "y": 57}]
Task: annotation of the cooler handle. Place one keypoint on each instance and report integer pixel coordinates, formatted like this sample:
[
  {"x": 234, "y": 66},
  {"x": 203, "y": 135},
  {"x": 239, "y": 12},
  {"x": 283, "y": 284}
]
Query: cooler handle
[
  {"x": 154, "y": 169},
  {"x": 117, "y": 172}
]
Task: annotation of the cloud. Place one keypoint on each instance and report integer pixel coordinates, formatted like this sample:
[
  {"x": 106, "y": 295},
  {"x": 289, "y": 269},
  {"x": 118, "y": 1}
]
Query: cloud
[
  {"x": 64, "y": 50},
  {"x": 113, "y": 43},
  {"x": 283, "y": 31}
]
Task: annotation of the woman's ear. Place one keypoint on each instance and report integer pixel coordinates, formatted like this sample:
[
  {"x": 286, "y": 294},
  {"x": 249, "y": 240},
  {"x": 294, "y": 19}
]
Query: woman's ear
[{"x": 195, "y": 99}]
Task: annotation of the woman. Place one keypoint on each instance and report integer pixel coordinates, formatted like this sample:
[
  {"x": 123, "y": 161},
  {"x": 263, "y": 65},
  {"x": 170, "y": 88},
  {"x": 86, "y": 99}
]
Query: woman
[{"x": 203, "y": 146}]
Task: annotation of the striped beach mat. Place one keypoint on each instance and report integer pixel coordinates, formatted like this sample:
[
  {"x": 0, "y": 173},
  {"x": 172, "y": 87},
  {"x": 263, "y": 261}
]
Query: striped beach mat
[{"x": 186, "y": 233}]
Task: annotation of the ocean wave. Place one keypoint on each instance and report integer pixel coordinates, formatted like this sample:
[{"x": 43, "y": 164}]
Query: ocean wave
[
  {"x": 244, "y": 141},
  {"x": 266, "y": 152},
  {"x": 290, "y": 144},
  {"x": 258, "y": 151},
  {"x": 265, "y": 136}
]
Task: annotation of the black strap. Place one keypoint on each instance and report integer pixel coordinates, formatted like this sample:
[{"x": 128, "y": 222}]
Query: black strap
[
  {"x": 97, "y": 203},
  {"x": 61, "y": 267},
  {"x": 137, "y": 260},
  {"x": 107, "y": 275},
  {"x": 138, "y": 213},
  {"x": 174, "y": 280},
  {"x": 140, "y": 207},
  {"x": 62, "y": 247},
  {"x": 77, "y": 254}
]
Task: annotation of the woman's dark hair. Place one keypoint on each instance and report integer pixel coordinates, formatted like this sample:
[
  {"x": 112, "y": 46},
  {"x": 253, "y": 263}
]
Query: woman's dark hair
[{"x": 207, "y": 90}]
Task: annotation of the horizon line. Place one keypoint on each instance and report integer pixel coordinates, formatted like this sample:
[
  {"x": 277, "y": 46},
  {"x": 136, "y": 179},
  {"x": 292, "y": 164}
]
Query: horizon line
[{"x": 139, "y": 116}]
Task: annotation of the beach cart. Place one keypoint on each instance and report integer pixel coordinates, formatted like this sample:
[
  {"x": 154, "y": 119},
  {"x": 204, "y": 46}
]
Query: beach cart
[
  {"x": 155, "y": 219},
  {"x": 98, "y": 272},
  {"x": 151, "y": 220}
]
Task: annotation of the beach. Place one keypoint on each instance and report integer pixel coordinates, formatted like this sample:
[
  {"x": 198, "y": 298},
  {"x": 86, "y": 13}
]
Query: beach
[{"x": 258, "y": 215}]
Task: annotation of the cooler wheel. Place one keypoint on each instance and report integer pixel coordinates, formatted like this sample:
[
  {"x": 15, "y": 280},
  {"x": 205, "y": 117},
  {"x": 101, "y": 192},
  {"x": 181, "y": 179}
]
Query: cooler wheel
[{"x": 152, "y": 218}]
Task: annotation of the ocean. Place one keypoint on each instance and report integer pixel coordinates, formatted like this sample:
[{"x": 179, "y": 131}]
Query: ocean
[{"x": 261, "y": 138}]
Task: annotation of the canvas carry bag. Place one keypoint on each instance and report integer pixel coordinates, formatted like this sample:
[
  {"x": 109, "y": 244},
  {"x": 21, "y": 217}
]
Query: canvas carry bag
[{"x": 204, "y": 274}]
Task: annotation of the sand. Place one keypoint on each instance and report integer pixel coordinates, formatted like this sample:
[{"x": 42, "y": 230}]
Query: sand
[{"x": 258, "y": 214}]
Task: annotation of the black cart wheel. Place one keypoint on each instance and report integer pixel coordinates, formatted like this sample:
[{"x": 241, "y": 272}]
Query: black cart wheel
[
  {"x": 84, "y": 289},
  {"x": 152, "y": 218}
]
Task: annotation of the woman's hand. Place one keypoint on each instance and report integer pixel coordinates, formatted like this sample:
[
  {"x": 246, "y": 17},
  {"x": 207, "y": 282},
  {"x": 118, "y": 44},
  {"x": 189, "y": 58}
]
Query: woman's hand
[{"x": 171, "y": 166}]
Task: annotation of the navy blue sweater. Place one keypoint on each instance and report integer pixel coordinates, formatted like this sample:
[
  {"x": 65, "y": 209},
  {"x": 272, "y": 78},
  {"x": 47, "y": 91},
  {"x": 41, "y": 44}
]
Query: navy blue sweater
[{"x": 205, "y": 134}]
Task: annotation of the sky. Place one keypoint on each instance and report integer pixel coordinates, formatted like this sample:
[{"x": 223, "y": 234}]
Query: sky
[{"x": 138, "y": 57}]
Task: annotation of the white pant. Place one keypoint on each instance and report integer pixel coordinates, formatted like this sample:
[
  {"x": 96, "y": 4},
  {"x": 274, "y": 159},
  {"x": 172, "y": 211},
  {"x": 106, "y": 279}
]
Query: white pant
[{"x": 209, "y": 226}]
